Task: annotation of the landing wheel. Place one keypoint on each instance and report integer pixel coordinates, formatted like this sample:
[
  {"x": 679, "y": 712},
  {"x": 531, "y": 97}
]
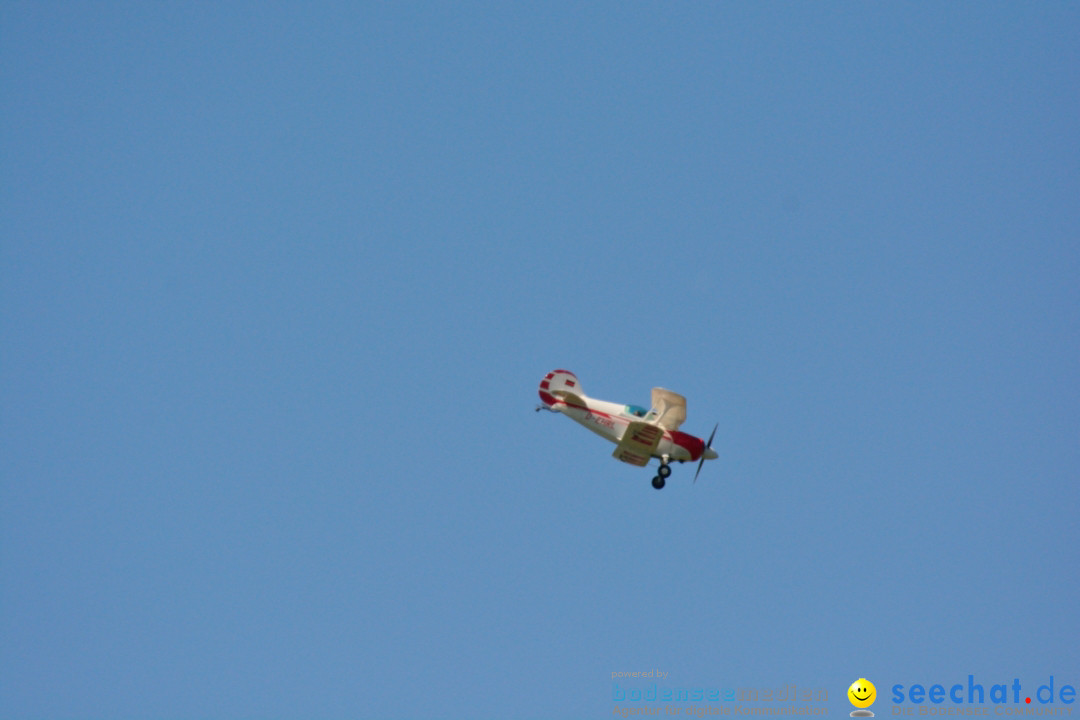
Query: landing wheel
[
  {"x": 658, "y": 482},
  {"x": 665, "y": 470}
]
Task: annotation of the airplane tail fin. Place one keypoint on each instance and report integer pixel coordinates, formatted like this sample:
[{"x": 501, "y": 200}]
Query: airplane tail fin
[{"x": 560, "y": 385}]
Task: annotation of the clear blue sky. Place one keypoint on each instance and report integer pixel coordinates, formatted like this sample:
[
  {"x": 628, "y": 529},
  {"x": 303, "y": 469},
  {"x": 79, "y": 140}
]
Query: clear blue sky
[{"x": 279, "y": 282}]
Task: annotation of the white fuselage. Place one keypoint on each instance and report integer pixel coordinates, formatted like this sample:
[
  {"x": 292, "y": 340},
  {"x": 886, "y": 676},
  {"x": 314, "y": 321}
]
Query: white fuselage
[{"x": 610, "y": 420}]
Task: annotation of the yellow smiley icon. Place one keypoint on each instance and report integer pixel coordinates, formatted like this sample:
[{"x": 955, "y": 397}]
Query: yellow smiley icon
[{"x": 862, "y": 693}]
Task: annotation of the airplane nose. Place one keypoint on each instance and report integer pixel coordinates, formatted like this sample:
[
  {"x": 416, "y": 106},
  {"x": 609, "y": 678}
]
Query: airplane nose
[{"x": 711, "y": 454}]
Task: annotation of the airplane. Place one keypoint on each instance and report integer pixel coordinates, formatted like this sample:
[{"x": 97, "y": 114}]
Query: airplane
[{"x": 639, "y": 434}]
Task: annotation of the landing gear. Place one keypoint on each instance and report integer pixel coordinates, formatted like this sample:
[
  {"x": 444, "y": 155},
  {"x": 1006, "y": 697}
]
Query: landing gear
[{"x": 662, "y": 473}]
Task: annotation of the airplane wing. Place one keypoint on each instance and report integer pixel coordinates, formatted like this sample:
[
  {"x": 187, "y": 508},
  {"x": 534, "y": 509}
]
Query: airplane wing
[
  {"x": 638, "y": 443},
  {"x": 671, "y": 408}
]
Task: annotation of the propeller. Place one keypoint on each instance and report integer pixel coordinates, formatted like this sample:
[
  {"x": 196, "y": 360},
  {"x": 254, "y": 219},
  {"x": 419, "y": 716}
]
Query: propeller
[{"x": 708, "y": 446}]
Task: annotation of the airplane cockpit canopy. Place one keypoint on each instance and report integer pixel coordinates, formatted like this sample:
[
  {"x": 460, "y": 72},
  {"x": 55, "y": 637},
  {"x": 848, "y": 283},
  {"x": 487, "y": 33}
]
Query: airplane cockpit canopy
[{"x": 636, "y": 411}]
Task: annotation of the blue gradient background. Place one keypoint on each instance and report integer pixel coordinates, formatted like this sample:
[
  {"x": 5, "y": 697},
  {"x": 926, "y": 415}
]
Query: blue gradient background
[{"x": 279, "y": 281}]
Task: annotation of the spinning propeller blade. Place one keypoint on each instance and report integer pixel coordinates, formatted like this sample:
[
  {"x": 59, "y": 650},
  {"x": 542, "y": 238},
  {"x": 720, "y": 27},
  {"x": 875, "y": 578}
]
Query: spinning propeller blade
[{"x": 708, "y": 446}]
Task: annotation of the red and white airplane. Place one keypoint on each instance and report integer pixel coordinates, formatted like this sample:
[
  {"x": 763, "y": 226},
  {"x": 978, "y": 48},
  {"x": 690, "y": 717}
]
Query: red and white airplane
[{"x": 639, "y": 434}]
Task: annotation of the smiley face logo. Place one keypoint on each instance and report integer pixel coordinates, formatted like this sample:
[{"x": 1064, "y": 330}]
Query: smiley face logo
[{"x": 862, "y": 693}]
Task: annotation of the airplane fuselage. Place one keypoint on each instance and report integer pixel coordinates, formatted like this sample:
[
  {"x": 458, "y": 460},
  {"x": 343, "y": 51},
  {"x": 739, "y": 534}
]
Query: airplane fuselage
[
  {"x": 609, "y": 420},
  {"x": 561, "y": 392},
  {"x": 639, "y": 434}
]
